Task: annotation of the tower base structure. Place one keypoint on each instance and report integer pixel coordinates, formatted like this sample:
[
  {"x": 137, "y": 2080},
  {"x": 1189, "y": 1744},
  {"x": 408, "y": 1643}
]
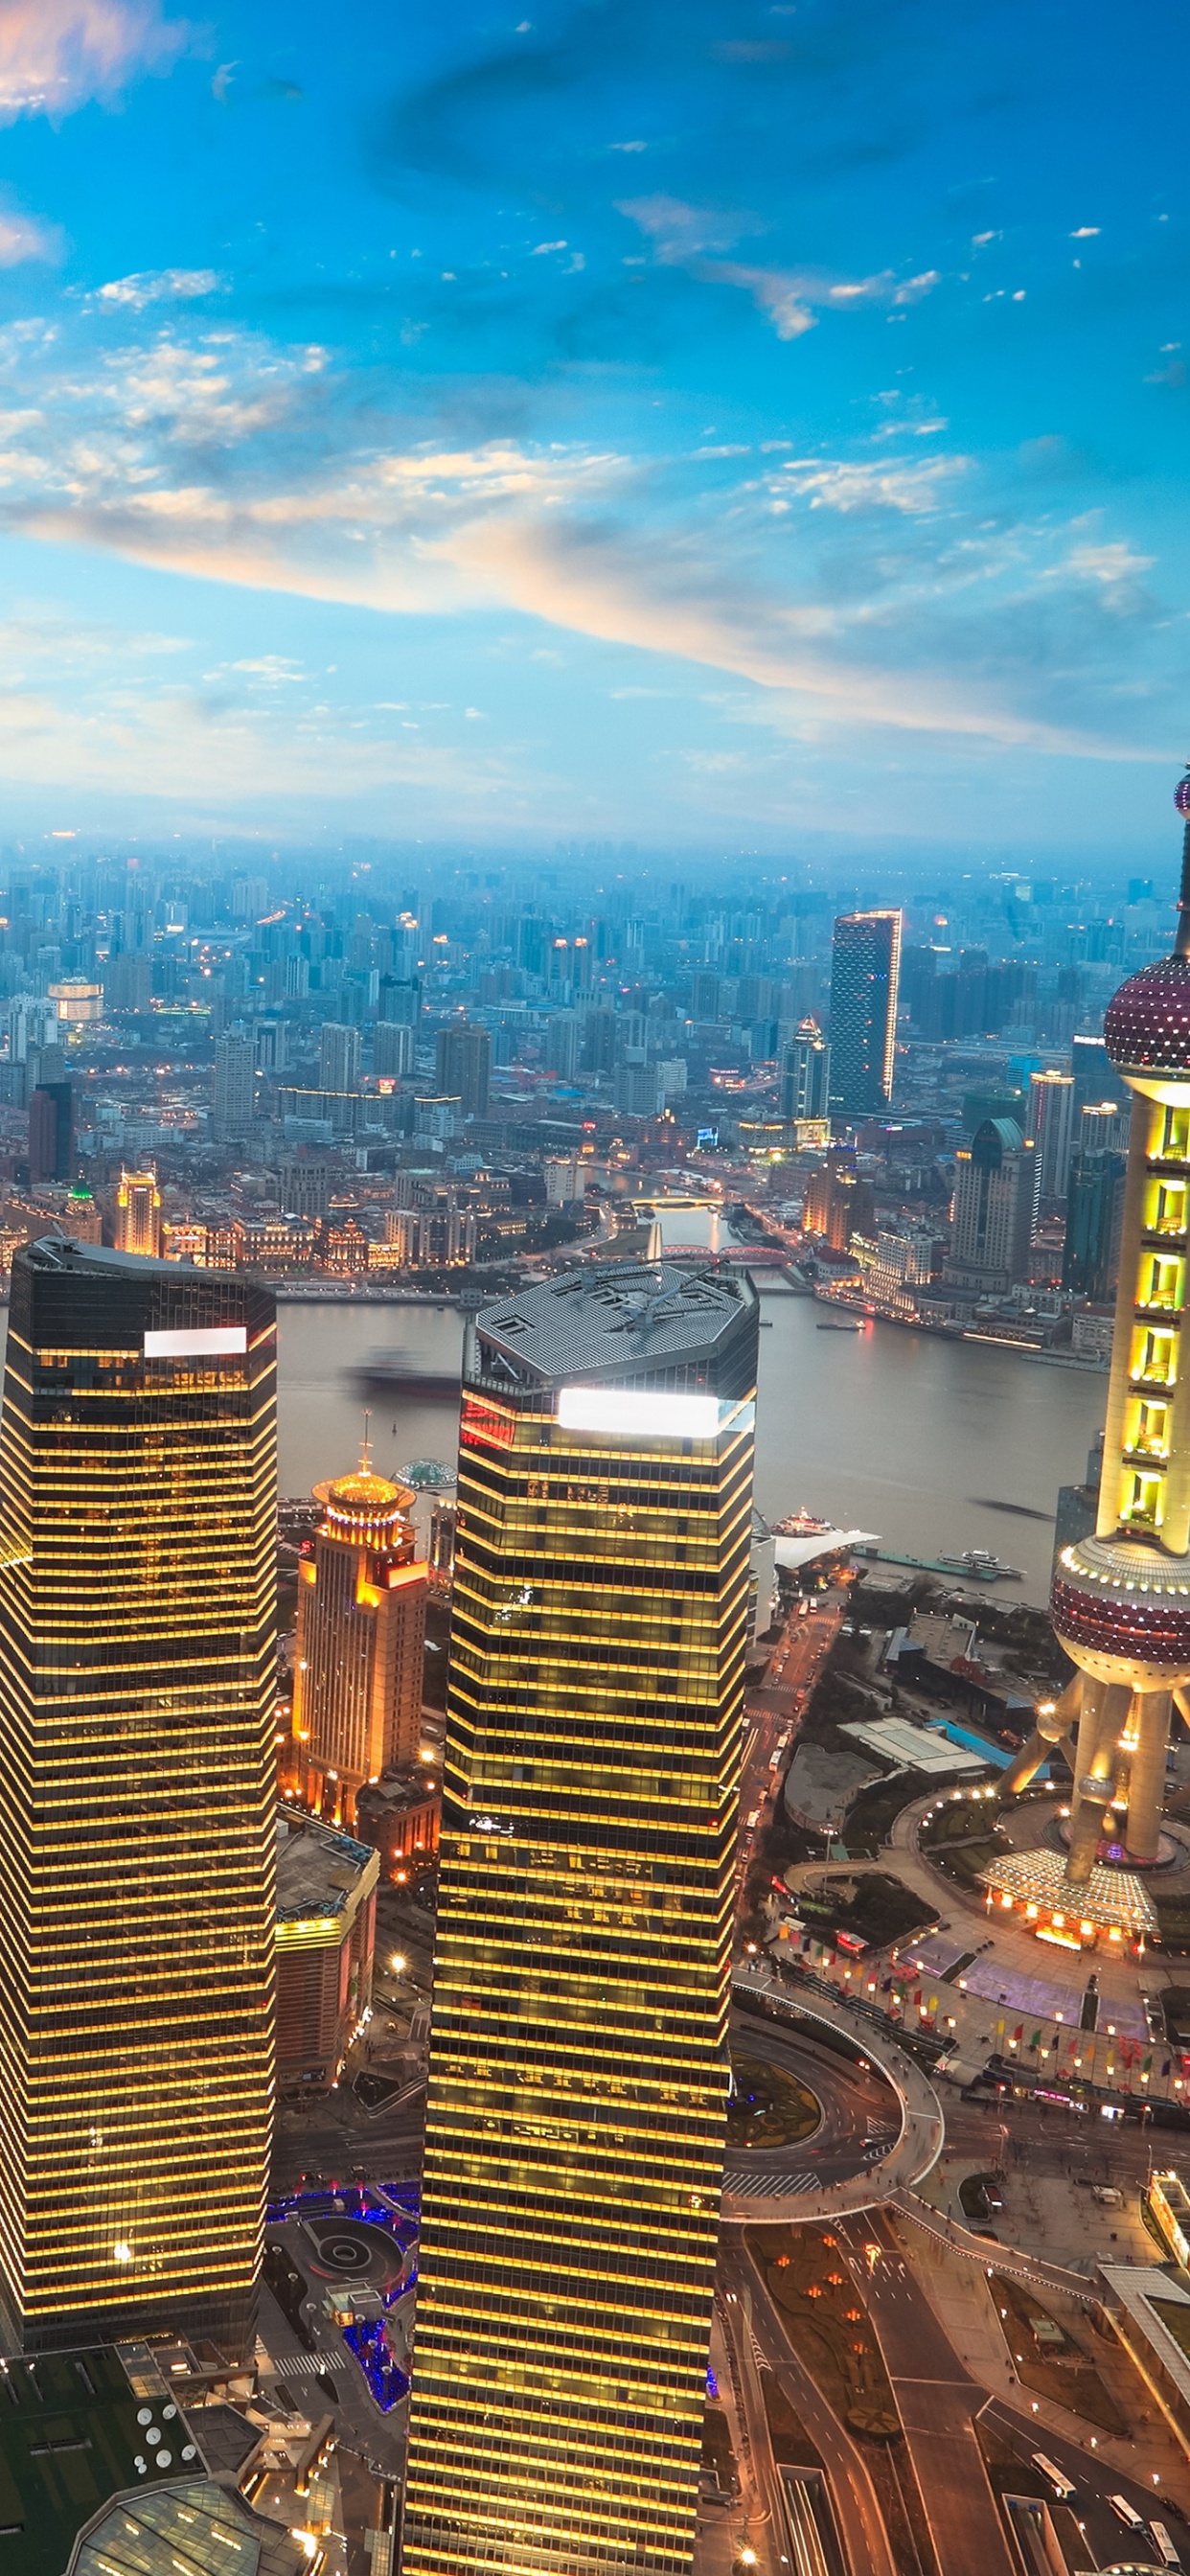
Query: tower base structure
[{"x": 1110, "y": 1910}]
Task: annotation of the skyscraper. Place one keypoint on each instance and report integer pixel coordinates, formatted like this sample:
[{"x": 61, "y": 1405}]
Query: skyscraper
[
  {"x": 51, "y": 1132},
  {"x": 234, "y": 1097},
  {"x": 1051, "y": 1134},
  {"x": 464, "y": 1065},
  {"x": 1091, "y": 1069},
  {"x": 805, "y": 1073},
  {"x": 138, "y": 1215},
  {"x": 339, "y": 1054},
  {"x": 993, "y": 1209},
  {"x": 865, "y": 981},
  {"x": 137, "y": 1651},
  {"x": 361, "y": 1630},
  {"x": 578, "y": 2064}
]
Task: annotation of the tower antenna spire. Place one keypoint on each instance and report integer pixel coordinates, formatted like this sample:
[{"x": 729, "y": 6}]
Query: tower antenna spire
[
  {"x": 365, "y": 1451},
  {"x": 1182, "y": 801}
]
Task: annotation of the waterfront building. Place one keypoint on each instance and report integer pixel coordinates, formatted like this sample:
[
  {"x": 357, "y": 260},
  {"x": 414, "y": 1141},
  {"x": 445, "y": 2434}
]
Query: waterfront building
[
  {"x": 1121, "y": 1598},
  {"x": 234, "y": 1096},
  {"x": 137, "y": 1776},
  {"x": 361, "y": 1626},
  {"x": 805, "y": 1073},
  {"x": 51, "y": 1132},
  {"x": 837, "y": 1205},
  {"x": 463, "y": 1065},
  {"x": 865, "y": 982},
  {"x": 138, "y": 1215},
  {"x": 578, "y": 2063},
  {"x": 326, "y": 1942},
  {"x": 1051, "y": 1134},
  {"x": 993, "y": 1210}
]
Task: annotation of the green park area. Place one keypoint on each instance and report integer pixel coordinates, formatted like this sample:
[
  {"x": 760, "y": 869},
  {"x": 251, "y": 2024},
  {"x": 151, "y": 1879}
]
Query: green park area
[
  {"x": 768, "y": 2107},
  {"x": 961, "y": 1839},
  {"x": 807, "y": 2278},
  {"x": 1051, "y": 2360}
]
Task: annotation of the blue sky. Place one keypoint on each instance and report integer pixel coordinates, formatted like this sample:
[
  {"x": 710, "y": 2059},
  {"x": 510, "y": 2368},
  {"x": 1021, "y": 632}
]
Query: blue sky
[{"x": 695, "y": 421}]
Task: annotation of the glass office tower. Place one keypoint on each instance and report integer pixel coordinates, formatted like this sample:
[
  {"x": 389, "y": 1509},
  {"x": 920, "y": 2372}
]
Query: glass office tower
[
  {"x": 578, "y": 2059},
  {"x": 137, "y": 1682},
  {"x": 865, "y": 993}
]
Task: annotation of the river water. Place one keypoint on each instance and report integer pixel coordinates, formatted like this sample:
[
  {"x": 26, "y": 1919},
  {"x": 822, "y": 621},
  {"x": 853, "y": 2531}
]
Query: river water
[{"x": 905, "y": 1434}]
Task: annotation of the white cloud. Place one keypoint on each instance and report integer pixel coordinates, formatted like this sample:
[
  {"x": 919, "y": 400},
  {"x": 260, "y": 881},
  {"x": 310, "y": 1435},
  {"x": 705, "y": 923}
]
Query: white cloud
[
  {"x": 54, "y": 54},
  {"x": 158, "y": 286},
  {"x": 224, "y": 457},
  {"x": 23, "y": 238},
  {"x": 913, "y": 486},
  {"x": 684, "y": 236}
]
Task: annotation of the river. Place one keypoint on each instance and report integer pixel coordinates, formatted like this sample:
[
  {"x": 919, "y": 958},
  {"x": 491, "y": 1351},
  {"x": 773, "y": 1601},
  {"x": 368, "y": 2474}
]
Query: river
[{"x": 902, "y": 1433}]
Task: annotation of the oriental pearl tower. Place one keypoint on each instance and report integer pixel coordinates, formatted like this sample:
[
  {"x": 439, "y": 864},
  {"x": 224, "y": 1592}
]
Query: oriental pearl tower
[{"x": 1120, "y": 1601}]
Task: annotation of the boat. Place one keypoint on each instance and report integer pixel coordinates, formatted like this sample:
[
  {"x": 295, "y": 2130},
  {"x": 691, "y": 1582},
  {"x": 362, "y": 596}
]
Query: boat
[
  {"x": 980, "y": 1561},
  {"x": 400, "y": 1372},
  {"x": 803, "y": 1524},
  {"x": 852, "y": 1324}
]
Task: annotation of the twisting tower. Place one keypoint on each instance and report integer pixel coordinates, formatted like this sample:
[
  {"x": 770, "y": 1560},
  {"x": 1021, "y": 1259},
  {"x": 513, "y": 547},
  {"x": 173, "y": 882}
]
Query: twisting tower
[{"x": 1121, "y": 1599}]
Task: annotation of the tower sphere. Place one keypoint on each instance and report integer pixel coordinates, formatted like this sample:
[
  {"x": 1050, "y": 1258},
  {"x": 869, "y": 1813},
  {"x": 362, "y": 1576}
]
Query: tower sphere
[
  {"x": 1181, "y": 796},
  {"x": 1147, "y": 1028}
]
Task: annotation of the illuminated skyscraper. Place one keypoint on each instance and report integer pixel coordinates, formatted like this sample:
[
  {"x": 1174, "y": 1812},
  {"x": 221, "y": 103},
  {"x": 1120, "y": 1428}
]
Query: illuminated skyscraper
[
  {"x": 578, "y": 2067},
  {"x": 137, "y": 1787},
  {"x": 361, "y": 1632},
  {"x": 993, "y": 1209},
  {"x": 138, "y": 1215},
  {"x": 1051, "y": 1134},
  {"x": 865, "y": 986},
  {"x": 805, "y": 1073}
]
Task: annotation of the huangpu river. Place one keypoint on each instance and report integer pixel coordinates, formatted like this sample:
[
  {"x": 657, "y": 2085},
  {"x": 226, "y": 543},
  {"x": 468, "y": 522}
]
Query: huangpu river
[
  {"x": 905, "y": 1434},
  {"x": 916, "y": 1438}
]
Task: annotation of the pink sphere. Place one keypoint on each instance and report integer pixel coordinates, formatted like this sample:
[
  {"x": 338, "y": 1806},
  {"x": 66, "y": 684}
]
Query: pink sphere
[{"x": 1181, "y": 796}]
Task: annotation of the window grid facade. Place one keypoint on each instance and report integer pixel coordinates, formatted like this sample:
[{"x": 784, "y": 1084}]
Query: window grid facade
[
  {"x": 578, "y": 2069},
  {"x": 137, "y": 1678}
]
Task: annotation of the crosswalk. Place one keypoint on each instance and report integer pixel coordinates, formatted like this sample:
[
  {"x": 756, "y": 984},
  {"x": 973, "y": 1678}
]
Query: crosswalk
[
  {"x": 302, "y": 2365},
  {"x": 770, "y": 2186}
]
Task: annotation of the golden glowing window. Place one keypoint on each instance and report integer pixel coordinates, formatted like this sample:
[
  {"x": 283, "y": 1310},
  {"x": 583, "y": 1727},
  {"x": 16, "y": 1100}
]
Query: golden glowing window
[
  {"x": 1155, "y": 1358},
  {"x": 1142, "y": 1499},
  {"x": 1163, "y": 1284},
  {"x": 1175, "y": 1140}
]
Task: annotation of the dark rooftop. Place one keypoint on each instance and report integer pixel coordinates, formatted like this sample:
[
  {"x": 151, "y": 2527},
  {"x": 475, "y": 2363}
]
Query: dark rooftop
[
  {"x": 70, "y": 2438},
  {"x": 615, "y": 1323}
]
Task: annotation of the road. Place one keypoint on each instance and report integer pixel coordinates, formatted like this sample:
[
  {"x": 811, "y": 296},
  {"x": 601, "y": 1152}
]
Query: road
[
  {"x": 773, "y": 1713},
  {"x": 937, "y": 2400},
  {"x": 761, "y": 2344},
  {"x": 1094, "y": 2482},
  {"x": 861, "y": 2116}
]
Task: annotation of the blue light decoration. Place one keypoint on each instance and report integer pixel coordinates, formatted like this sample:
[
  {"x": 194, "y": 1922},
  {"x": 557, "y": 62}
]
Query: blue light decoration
[
  {"x": 712, "y": 2383},
  {"x": 387, "y": 2382}
]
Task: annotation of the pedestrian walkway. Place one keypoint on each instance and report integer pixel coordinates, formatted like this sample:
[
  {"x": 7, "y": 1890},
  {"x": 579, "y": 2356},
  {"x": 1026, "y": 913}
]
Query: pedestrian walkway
[{"x": 303, "y": 2365}]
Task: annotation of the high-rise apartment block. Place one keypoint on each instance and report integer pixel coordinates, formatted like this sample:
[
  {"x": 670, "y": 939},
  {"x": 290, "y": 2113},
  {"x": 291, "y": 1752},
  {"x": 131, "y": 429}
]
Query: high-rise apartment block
[
  {"x": 234, "y": 1100},
  {"x": 138, "y": 1215},
  {"x": 393, "y": 1050},
  {"x": 993, "y": 1210},
  {"x": 578, "y": 2068},
  {"x": 137, "y": 1778},
  {"x": 463, "y": 1065},
  {"x": 361, "y": 1627},
  {"x": 338, "y": 1057},
  {"x": 805, "y": 1073},
  {"x": 865, "y": 984}
]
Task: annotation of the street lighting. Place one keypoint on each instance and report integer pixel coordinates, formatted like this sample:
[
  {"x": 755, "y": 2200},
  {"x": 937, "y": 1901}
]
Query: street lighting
[{"x": 398, "y": 1963}]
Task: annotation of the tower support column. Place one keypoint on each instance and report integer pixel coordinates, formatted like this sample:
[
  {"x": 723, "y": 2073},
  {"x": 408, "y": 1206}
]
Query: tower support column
[
  {"x": 1146, "y": 1782},
  {"x": 1104, "y": 1713}
]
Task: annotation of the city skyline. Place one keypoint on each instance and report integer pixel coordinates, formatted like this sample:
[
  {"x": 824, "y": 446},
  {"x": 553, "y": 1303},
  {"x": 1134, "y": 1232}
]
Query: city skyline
[{"x": 707, "y": 427}]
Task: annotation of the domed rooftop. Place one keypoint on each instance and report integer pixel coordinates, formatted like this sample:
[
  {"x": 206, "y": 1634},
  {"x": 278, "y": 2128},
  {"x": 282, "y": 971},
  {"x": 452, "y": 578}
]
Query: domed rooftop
[
  {"x": 362, "y": 1491},
  {"x": 1147, "y": 1023}
]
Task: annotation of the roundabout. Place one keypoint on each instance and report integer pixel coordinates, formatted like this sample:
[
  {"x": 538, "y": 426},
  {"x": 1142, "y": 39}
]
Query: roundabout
[{"x": 876, "y": 2121}]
